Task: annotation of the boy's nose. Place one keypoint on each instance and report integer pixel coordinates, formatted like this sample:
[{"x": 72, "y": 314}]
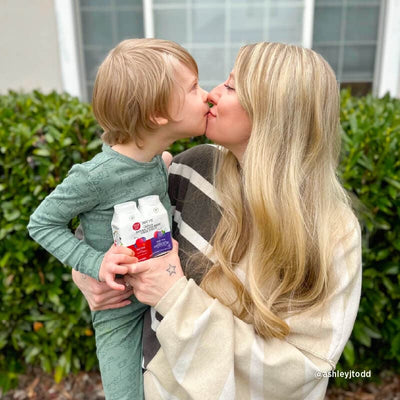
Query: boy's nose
[{"x": 205, "y": 95}]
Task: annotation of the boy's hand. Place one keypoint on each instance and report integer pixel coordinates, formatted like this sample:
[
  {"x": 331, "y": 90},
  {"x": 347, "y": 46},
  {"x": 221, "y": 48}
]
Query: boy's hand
[{"x": 112, "y": 265}]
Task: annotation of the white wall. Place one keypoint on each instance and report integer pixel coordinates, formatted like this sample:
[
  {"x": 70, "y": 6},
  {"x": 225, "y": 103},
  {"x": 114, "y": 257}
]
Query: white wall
[{"x": 29, "y": 55}]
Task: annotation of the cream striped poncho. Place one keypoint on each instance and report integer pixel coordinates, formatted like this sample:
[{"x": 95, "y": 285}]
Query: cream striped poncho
[{"x": 208, "y": 353}]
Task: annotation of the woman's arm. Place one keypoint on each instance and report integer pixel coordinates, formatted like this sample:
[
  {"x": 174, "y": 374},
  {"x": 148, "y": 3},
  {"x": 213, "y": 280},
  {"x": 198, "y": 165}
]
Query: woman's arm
[{"x": 207, "y": 352}]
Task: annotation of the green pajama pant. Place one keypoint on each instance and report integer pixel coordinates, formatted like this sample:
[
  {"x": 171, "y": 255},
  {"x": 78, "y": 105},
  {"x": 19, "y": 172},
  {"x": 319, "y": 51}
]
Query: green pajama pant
[{"x": 119, "y": 350}]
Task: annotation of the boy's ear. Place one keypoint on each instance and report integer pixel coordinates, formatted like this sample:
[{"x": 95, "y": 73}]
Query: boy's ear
[{"x": 159, "y": 120}]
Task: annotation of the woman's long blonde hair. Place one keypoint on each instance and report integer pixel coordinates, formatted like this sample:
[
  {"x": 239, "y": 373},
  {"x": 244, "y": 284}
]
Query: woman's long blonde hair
[{"x": 283, "y": 222}]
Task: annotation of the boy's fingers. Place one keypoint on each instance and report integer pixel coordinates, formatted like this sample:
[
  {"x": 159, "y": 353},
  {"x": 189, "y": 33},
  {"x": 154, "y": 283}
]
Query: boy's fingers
[
  {"x": 122, "y": 250},
  {"x": 131, "y": 267},
  {"x": 124, "y": 259},
  {"x": 119, "y": 269},
  {"x": 112, "y": 284}
]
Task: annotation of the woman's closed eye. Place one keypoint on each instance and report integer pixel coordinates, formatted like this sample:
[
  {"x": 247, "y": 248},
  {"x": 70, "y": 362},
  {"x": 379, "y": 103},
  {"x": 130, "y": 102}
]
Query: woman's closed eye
[{"x": 228, "y": 87}]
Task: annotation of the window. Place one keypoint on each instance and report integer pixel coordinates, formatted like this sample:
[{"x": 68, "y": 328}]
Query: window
[
  {"x": 213, "y": 31},
  {"x": 345, "y": 33},
  {"x": 104, "y": 23}
]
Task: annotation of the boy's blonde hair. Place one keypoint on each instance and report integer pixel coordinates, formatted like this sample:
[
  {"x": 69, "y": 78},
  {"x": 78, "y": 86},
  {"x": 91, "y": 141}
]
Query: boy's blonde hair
[{"x": 134, "y": 85}]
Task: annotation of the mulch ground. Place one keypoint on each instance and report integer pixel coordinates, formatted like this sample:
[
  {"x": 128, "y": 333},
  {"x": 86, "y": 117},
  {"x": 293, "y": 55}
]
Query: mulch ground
[{"x": 36, "y": 385}]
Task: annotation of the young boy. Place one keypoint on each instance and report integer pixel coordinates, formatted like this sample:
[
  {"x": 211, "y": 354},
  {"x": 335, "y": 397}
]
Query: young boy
[{"x": 145, "y": 97}]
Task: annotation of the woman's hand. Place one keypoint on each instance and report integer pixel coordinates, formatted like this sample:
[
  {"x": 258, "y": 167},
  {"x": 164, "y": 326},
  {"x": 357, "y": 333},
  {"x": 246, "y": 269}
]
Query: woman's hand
[
  {"x": 98, "y": 294},
  {"x": 151, "y": 279},
  {"x": 167, "y": 158}
]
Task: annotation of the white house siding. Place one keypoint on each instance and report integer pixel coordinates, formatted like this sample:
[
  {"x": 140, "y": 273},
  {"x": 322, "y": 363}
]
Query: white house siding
[{"x": 29, "y": 50}]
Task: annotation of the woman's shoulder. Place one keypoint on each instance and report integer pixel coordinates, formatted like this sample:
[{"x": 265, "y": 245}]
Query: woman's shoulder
[
  {"x": 348, "y": 227},
  {"x": 202, "y": 153},
  {"x": 199, "y": 158}
]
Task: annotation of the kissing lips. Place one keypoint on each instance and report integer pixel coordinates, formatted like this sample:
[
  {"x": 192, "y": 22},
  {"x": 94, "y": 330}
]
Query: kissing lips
[{"x": 210, "y": 114}]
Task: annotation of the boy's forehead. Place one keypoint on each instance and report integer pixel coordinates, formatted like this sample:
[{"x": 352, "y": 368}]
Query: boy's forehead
[{"x": 184, "y": 73}]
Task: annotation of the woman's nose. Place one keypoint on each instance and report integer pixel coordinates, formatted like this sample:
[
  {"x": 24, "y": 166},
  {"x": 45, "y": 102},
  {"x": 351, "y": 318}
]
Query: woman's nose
[{"x": 214, "y": 95}]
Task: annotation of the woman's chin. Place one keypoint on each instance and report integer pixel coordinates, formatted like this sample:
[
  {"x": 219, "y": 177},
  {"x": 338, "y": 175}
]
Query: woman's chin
[{"x": 209, "y": 135}]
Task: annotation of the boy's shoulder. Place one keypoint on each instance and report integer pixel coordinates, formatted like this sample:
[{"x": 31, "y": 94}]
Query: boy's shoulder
[
  {"x": 87, "y": 171},
  {"x": 96, "y": 161}
]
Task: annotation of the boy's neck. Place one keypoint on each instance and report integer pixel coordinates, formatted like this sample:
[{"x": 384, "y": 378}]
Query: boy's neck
[{"x": 152, "y": 146}]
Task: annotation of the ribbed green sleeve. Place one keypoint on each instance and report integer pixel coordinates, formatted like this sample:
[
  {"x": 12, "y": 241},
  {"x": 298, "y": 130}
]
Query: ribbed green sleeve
[{"x": 48, "y": 225}]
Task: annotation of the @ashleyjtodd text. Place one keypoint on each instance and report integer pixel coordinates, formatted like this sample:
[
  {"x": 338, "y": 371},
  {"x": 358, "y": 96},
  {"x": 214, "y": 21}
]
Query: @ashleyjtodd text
[{"x": 343, "y": 374}]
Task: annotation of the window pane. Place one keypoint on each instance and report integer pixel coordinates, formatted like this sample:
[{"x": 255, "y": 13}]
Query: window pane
[
  {"x": 331, "y": 55},
  {"x": 136, "y": 3},
  {"x": 362, "y": 23},
  {"x": 327, "y": 23},
  {"x": 247, "y": 24},
  {"x": 104, "y": 24},
  {"x": 330, "y": 2},
  {"x": 358, "y": 63},
  {"x": 285, "y": 24},
  {"x": 171, "y": 3},
  {"x": 129, "y": 24},
  {"x": 363, "y": 2},
  {"x": 96, "y": 3},
  {"x": 97, "y": 28},
  {"x": 211, "y": 63},
  {"x": 345, "y": 33},
  {"x": 208, "y": 25},
  {"x": 231, "y": 57},
  {"x": 170, "y": 24},
  {"x": 93, "y": 58}
]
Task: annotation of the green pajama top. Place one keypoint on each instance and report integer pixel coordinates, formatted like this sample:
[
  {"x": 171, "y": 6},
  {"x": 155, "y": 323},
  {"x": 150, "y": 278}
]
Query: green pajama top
[{"x": 90, "y": 192}]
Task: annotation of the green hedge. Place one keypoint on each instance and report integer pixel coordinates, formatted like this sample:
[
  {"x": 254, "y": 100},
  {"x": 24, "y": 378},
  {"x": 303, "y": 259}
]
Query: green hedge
[
  {"x": 45, "y": 321},
  {"x": 43, "y": 318},
  {"x": 370, "y": 169}
]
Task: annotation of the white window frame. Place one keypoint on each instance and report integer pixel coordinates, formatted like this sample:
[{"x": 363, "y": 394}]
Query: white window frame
[
  {"x": 308, "y": 23},
  {"x": 71, "y": 60},
  {"x": 148, "y": 18},
  {"x": 387, "y": 64}
]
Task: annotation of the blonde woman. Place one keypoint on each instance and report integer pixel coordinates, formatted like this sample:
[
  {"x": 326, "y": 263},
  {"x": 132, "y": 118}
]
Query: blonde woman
[{"x": 268, "y": 243}]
